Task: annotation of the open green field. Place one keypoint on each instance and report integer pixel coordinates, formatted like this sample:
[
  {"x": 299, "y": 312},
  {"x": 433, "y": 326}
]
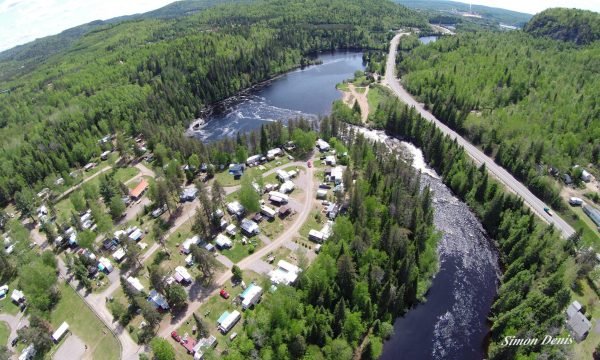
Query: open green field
[
  {"x": 316, "y": 220},
  {"x": 376, "y": 95},
  {"x": 579, "y": 220},
  {"x": 6, "y": 305},
  {"x": 4, "y": 333},
  {"x": 84, "y": 323},
  {"x": 239, "y": 250}
]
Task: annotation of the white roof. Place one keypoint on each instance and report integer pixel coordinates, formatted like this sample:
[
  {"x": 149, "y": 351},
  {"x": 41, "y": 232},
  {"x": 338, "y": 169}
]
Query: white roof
[
  {"x": 135, "y": 282},
  {"x": 279, "y": 195},
  {"x": 230, "y": 320},
  {"x": 230, "y": 228},
  {"x": 337, "y": 172},
  {"x": 249, "y": 226},
  {"x": 62, "y": 329},
  {"x": 316, "y": 234},
  {"x": 268, "y": 211},
  {"x": 283, "y": 175},
  {"x": 28, "y": 353},
  {"x": 235, "y": 207},
  {"x": 322, "y": 192},
  {"x": 285, "y": 273},
  {"x": 136, "y": 235},
  {"x": 189, "y": 259},
  {"x": 322, "y": 144},
  {"x": 119, "y": 254},
  {"x": 251, "y": 295},
  {"x": 287, "y": 187},
  {"x": 188, "y": 242},
  {"x": 183, "y": 272},
  {"x": 17, "y": 295},
  {"x": 107, "y": 264},
  {"x": 223, "y": 240}
]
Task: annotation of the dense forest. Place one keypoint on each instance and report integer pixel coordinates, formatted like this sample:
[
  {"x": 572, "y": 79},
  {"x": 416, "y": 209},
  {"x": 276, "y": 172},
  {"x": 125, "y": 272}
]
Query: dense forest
[
  {"x": 376, "y": 265},
  {"x": 538, "y": 272},
  {"x": 579, "y": 26},
  {"x": 153, "y": 76},
  {"x": 512, "y": 94}
]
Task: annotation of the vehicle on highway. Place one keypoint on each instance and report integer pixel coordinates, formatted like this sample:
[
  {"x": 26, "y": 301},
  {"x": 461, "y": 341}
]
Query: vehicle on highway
[
  {"x": 224, "y": 294},
  {"x": 175, "y": 336},
  {"x": 548, "y": 211}
]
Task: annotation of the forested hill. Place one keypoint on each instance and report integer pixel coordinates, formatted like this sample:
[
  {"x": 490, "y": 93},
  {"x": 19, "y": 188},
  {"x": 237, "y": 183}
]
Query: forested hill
[
  {"x": 155, "y": 75},
  {"x": 26, "y": 57},
  {"x": 578, "y": 26},
  {"x": 530, "y": 102}
]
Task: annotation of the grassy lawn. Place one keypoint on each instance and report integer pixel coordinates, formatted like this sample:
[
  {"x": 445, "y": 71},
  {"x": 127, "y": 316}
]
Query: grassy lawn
[
  {"x": 4, "y": 333},
  {"x": 272, "y": 178},
  {"x": 6, "y": 305},
  {"x": 343, "y": 86},
  {"x": 64, "y": 208},
  {"x": 376, "y": 95},
  {"x": 84, "y": 323},
  {"x": 579, "y": 220},
  {"x": 239, "y": 250},
  {"x": 210, "y": 311},
  {"x": 588, "y": 298},
  {"x": 281, "y": 253},
  {"x": 312, "y": 223},
  {"x": 121, "y": 174},
  {"x": 272, "y": 228}
]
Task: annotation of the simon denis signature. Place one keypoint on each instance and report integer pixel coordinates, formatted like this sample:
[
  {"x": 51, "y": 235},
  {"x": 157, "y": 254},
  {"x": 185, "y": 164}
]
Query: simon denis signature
[{"x": 547, "y": 340}]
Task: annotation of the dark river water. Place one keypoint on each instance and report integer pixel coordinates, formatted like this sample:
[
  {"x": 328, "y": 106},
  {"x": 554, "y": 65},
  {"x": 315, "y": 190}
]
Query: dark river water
[
  {"x": 307, "y": 92},
  {"x": 451, "y": 324}
]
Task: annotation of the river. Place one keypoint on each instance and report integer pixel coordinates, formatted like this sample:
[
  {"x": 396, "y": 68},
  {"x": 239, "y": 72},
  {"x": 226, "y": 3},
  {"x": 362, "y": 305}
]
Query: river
[
  {"x": 307, "y": 93},
  {"x": 451, "y": 324}
]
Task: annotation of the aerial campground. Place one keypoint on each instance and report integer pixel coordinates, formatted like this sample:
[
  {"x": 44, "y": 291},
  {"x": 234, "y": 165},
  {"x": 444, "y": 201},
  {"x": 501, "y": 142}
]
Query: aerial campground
[{"x": 284, "y": 179}]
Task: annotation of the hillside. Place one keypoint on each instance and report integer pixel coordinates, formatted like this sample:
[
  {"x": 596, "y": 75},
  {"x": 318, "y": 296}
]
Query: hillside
[
  {"x": 578, "y": 26},
  {"x": 24, "y": 58},
  {"x": 154, "y": 75},
  {"x": 500, "y": 91},
  {"x": 452, "y": 10}
]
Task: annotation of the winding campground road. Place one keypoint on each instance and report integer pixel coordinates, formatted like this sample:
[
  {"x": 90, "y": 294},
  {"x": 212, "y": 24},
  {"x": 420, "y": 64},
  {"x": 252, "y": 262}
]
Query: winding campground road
[{"x": 534, "y": 203}]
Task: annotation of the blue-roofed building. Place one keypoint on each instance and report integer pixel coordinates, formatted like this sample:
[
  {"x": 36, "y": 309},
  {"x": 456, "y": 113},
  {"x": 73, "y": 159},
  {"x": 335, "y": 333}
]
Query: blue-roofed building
[{"x": 237, "y": 170}]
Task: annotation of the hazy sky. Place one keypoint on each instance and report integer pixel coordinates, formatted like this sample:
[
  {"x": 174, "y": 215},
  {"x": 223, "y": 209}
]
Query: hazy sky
[{"x": 22, "y": 21}]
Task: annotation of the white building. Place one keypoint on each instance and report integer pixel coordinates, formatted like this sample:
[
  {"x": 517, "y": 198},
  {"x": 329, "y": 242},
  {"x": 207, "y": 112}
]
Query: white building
[
  {"x": 235, "y": 208},
  {"x": 321, "y": 194},
  {"x": 285, "y": 273},
  {"x": 119, "y": 254},
  {"x": 278, "y": 197},
  {"x": 253, "y": 159},
  {"x": 182, "y": 275},
  {"x": 287, "y": 187},
  {"x": 251, "y": 296},
  {"x": 323, "y": 145},
  {"x": 273, "y": 153},
  {"x": 283, "y": 175},
  {"x": 186, "y": 246},
  {"x": 267, "y": 211},
  {"x": 337, "y": 174},
  {"x": 586, "y": 176},
  {"x": 231, "y": 229},
  {"x": 60, "y": 332},
  {"x": 158, "y": 300},
  {"x": 135, "y": 284},
  {"x": 249, "y": 227},
  {"x": 17, "y": 296},
  {"x": 228, "y": 320},
  {"x": 330, "y": 160},
  {"x": 223, "y": 242},
  {"x": 315, "y": 235}
]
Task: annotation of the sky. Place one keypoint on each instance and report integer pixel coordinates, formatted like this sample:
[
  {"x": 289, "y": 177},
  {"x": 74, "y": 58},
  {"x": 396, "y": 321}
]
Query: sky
[{"x": 22, "y": 21}]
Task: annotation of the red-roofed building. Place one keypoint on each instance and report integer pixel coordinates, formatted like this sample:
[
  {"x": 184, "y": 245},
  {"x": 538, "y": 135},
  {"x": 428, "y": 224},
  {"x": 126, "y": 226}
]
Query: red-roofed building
[{"x": 137, "y": 192}]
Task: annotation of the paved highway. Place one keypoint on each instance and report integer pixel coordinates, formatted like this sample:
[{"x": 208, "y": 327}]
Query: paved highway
[{"x": 497, "y": 171}]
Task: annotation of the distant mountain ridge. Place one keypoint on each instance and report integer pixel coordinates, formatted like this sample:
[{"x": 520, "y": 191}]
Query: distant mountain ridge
[
  {"x": 498, "y": 15},
  {"x": 23, "y": 58},
  {"x": 581, "y": 27}
]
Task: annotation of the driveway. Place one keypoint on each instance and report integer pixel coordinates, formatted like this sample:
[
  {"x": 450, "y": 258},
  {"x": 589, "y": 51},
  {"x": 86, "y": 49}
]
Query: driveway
[
  {"x": 72, "y": 348},
  {"x": 14, "y": 322}
]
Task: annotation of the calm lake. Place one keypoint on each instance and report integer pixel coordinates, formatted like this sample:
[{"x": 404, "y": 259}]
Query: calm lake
[{"x": 307, "y": 92}]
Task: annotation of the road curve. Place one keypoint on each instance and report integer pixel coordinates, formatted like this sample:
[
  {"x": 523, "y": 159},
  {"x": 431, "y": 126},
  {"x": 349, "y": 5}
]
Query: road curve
[{"x": 534, "y": 203}]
